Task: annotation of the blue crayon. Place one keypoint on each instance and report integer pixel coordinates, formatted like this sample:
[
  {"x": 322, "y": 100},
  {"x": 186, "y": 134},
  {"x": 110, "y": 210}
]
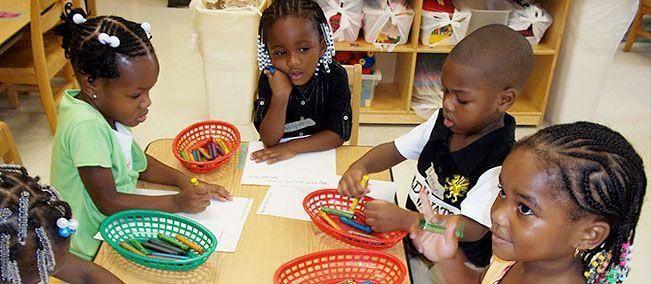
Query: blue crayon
[
  {"x": 167, "y": 255},
  {"x": 356, "y": 225},
  {"x": 196, "y": 155}
]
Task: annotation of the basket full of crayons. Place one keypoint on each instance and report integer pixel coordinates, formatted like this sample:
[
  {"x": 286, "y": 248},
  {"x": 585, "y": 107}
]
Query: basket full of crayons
[
  {"x": 342, "y": 266},
  {"x": 158, "y": 240},
  {"x": 343, "y": 218},
  {"x": 204, "y": 146}
]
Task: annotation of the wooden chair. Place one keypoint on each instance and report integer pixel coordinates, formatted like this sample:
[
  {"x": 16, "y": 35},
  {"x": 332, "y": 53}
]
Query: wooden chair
[
  {"x": 8, "y": 150},
  {"x": 636, "y": 27},
  {"x": 355, "y": 84},
  {"x": 90, "y": 7},
  {"x": 37, "y": 60}
]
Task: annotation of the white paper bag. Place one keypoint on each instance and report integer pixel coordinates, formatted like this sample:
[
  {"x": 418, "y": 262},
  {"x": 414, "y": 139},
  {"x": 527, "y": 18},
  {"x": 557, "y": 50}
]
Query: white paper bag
[
  {"x": 432, "y": 21},
  {"x": 534, "y": 17},
  {"x": 351, "y": 17},
  {"x": 382, "y": 19}
]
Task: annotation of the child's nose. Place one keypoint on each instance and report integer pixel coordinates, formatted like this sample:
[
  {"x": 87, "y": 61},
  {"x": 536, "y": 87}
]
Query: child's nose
[
  {"x": 294, "y": 60},
  {"x": 499, "y": 214},
  {"x": 448, "y": 103}
]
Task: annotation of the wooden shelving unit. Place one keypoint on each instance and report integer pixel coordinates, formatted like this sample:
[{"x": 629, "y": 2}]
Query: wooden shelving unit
[{"x": 392, "y": 102}]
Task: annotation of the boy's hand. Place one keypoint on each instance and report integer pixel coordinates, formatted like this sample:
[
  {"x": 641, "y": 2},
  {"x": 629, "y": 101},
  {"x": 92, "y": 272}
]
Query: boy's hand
[
  {"x": 384, "y": 216},
  {"x": 280, "y": 84},
  {"x": 350, "y": 183},
  {"x": 273, "y": 154},
  {"x": 214, "y": 190},
  {"x": 436, "y": 247}
]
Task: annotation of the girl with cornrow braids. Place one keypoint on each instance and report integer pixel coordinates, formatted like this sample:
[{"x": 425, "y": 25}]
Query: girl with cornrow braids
[
  {"x": 35, "y": 229},
  {"x": 302, "y": 93},
  {"x": 95, "y": 161},
  {"x": 569, "y": 200}
]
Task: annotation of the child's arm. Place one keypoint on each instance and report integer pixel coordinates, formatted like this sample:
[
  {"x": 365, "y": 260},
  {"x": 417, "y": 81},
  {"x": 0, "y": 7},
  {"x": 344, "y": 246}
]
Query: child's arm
[
  {"x": 100, "y": 185},
  {"x": 380, "y": 158},
  {"x": 321, "y": 141},
  {"x": 158, "y": 172},
  {"x": 272, "y": 126},
  {"x": 77, "y": 270}
]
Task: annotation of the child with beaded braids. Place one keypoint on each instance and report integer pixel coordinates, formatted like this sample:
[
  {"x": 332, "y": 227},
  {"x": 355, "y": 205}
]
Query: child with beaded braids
[
  {"x": 569, "y": 200},
  {"x": 35, "y": 225},
  {"x": 95, "y": 161},
  {"x": 302, "y": 91}
]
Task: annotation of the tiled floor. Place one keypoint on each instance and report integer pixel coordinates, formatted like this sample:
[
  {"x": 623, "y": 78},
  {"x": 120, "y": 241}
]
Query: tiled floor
[{"x": 625, "y": 104}]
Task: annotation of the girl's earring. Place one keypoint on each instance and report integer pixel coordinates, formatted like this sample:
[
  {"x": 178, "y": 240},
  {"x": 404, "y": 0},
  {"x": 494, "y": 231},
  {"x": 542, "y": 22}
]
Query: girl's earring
[{"x": 94, "y": 96}]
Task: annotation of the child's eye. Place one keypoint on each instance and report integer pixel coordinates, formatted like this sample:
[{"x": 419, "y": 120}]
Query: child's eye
[
  {"x": 304, "y": 49},
  {"x": 525, "y": 210},
  {"x": 501, "y": 193},
  {"x": 135, "y": 96},
  {"x": 279, "y": 53},
  {"x": 463, "y": 102}
]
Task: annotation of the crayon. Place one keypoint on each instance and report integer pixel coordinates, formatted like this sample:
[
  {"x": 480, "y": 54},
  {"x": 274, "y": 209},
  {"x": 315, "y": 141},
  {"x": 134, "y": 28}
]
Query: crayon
[
  {"x": 172, "y": 256},
  {"x": 190, "y": 243},
  {"x": 173, "y": 241},
  {"x": 219, "y": 150},
  {"x": 130, "y": 248},
  {"x": 439, "y": 229},
  {"x": 362, "y": 234},
  {"x": 204, "y": 154},
  {"x": 223, "y": 145},
  {"x": 210, "y": 151},
  {"x": 356, "y": 225},
  {"x": 155, "y": 247},
  {"x": 195, "y": 156},
  {"x": 332, "y": 223},
  {"x": 336, "y": 212},
  {"x": 364, "y": 184},
  {"x": 183, "y": 155},
  {"x": 167, "y": 246},
  {"x": 138, "y": 246}
]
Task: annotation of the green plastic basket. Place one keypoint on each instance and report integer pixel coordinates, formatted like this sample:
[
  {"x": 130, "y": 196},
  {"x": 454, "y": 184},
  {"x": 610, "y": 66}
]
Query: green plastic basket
[{"x": 145, "y": 224}]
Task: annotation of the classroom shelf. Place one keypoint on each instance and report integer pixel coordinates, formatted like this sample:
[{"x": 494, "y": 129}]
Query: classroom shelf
[{"x": 392, "y": 102}]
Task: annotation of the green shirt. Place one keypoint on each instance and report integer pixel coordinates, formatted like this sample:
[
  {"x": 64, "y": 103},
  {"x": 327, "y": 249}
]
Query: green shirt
[{"x": 84, "y": 139}]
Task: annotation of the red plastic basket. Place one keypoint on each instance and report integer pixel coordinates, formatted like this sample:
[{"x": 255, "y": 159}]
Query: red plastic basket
[
  {"x": 201, "y": 133},
  {"x": 337, "y": 266},
  {"x": 331, "y": 198}
]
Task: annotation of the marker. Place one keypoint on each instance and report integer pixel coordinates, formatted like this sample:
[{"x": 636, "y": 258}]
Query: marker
[
  {"x": 173, "y": 241},
  {"x": 356, "y": 225},
  {"x": 130, "y": 248},
  {"x": 439, "y": 229},
  {"x": 138, "y": 246},
  {"x": 190, "y": 243},
  {"x": 337, "y": 212},
  {"x": 332, "y": 223}
]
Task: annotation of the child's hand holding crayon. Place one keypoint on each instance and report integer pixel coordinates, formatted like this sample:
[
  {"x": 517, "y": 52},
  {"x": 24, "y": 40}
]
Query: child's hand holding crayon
[
  {"x": 351, "y": 183},
  {"x": 273, "y": 154},
  {"x": 213, "y": 190},
  {"x": 280, "y": 84},
  {"x": 436, "y": 246}
]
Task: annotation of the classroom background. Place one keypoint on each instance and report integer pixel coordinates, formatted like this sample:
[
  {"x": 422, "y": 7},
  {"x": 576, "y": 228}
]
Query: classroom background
[{"x": 593, "y": 79}]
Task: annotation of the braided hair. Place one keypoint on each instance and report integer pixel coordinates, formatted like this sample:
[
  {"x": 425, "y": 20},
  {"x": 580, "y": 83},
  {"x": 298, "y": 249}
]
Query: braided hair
[
  {"x": 604, "y": 176},
  {"x": 305, "y": 9},
  {"x": 28, "y": 225},
  {"x": 91, "y": 57}
]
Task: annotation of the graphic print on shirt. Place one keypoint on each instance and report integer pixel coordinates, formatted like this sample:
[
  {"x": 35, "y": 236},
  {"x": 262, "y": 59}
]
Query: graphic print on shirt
[{"x": 443, "y": 194}]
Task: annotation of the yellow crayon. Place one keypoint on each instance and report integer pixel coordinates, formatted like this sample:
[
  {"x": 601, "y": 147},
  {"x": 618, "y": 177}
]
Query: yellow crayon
[
  {"x": 130, "y": 248},
  {"x": 205, "y": 154},
  {"x": 325, "y": 217},
  {"x": 364, "y": 183},
  {"x": 190, "y": 243},
  {"x": 223, "y": 145}
]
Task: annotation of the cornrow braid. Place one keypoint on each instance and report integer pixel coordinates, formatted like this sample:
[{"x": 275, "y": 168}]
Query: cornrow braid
[
  {"x": 43, "y": 207},
  {"x": 603, "y": 174},
  {"x": 279, "y": 9},
  {"x": 91, "y": 57}
]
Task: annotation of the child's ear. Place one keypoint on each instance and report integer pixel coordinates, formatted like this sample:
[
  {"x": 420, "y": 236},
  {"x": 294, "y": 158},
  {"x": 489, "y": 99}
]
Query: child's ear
[
  {"x": 594, "y": 235},
  {"x": 506, "y": 99},
  {"x": 88, "y": 86}
]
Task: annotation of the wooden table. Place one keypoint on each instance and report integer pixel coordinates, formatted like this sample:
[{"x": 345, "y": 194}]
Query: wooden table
[
  {"x": 9, "y": 27},
  {"x": 266, "y": 242}
]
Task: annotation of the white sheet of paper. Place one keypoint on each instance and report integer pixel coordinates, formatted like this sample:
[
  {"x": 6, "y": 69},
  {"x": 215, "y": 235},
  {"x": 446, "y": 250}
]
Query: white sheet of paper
[
  {"x": 299, "y": 170},
  {"x": 287, "y": 201},
  {"x": 224, "y": 219}
]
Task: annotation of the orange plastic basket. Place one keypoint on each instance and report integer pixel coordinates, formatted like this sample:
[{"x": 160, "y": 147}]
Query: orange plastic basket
[
  {"x": 338, "y": 266},
  {"x": 201, "y": 133},
  {"x": 331, "y": 198}
]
